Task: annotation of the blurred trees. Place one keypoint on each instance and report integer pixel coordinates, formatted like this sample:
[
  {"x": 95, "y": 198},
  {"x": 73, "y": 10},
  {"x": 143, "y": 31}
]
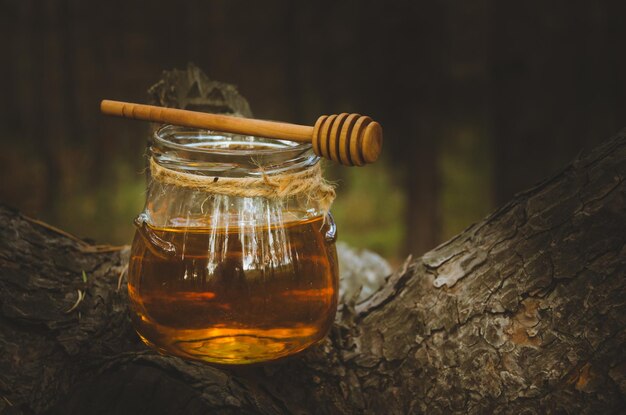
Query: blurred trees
[{"x": 478, "y": 99}]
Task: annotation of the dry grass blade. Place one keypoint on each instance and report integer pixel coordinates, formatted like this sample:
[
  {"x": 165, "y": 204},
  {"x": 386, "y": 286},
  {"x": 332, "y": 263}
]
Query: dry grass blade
[{"x": 81, "y": 296}]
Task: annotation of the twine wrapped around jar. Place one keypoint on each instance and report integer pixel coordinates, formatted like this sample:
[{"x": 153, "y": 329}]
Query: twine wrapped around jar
[{"x": 309, "y": 183}]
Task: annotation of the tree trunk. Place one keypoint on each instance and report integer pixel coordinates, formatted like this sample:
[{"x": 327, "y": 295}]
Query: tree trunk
[{"x": 523, "y": 312}]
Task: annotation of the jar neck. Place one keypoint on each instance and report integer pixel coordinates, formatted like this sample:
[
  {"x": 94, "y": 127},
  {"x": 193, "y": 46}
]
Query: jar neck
[{"x": 217, "y": 154}]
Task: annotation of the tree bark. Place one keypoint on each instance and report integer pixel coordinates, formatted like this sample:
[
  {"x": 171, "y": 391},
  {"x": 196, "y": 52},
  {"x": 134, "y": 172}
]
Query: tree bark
[{"x": 523, "y": 312}]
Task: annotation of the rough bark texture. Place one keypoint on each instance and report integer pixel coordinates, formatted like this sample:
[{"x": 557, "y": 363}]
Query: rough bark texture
[{"x": 523, "y": 312}]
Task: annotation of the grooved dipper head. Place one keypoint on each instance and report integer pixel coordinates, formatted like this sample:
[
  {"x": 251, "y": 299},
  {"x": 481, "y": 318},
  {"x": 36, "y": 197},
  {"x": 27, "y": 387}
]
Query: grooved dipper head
[{"x": 349, "y": 139}]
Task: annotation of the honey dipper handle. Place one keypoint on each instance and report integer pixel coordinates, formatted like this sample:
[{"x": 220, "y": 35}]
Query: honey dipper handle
[{"x": 215, "y": 122}]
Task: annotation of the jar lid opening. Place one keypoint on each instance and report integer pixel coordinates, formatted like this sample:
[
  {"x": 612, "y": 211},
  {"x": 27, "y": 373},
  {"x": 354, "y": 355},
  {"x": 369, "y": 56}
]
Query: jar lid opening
[
  {"x": 197, "y": 140},
  {"x": 210, "y": 152}
]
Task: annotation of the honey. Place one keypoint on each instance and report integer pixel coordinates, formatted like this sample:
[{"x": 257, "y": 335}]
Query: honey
[{"x": 234, "y": 294}]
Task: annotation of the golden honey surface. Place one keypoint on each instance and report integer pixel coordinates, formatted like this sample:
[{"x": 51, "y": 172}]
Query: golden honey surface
[{"x": 233, "y": 295}]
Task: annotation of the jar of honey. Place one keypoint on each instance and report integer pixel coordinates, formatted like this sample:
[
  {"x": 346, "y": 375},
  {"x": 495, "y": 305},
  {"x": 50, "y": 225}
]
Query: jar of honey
[{"x": 234, "y": 258}]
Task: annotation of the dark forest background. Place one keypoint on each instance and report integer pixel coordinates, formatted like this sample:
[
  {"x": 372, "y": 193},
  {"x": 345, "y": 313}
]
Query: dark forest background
[{"x": 478, "y": 99}]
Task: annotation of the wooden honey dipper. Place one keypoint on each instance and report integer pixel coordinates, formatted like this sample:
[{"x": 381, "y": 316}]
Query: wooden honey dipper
[{"x": 349, "y": 139}]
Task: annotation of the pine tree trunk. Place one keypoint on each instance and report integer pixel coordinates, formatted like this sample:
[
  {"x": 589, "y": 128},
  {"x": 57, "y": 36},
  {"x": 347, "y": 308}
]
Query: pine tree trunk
[{"x": 523, "y": 312}]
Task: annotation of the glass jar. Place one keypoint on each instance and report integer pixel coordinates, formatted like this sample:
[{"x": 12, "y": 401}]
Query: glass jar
[{"x": 231, "y": 279}]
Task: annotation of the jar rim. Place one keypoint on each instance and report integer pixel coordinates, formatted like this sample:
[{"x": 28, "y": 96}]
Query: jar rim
[
  {"x": 167, "y": 135},
  {"x": 217, "y": 153}
]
